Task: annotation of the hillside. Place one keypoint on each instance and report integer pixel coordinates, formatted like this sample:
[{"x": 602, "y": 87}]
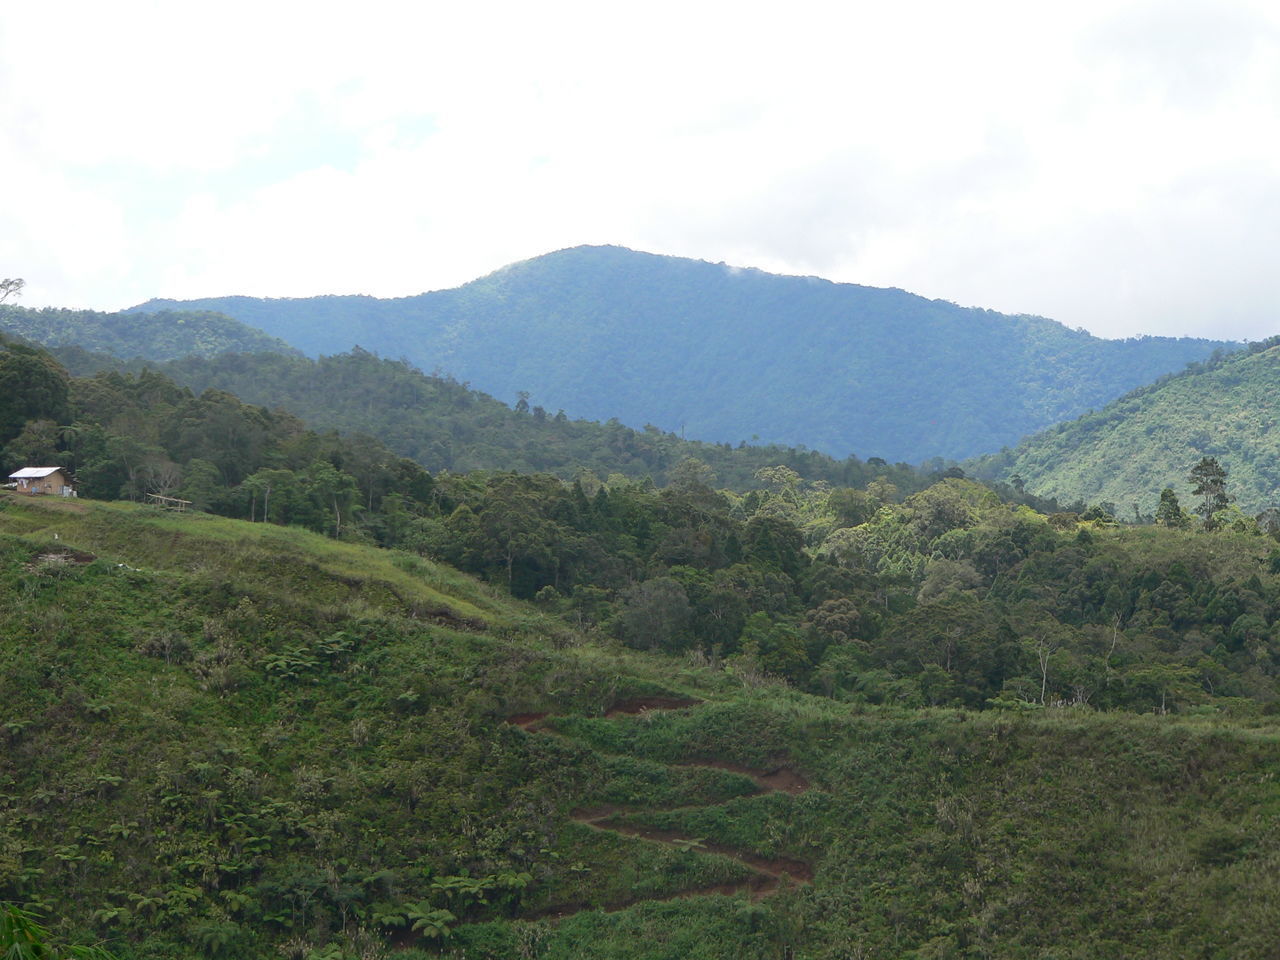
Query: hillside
[
  {"x": 725, "y": 354},
  {"x": 159, "y": 335},
  {"x": 239, "y": 740},
  {"x": 1150, "y": 439},
  {"x": 445, "y": 425}
]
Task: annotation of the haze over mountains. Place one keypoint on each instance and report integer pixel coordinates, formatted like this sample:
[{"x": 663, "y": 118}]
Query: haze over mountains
[{"x": 727, "y": 354}]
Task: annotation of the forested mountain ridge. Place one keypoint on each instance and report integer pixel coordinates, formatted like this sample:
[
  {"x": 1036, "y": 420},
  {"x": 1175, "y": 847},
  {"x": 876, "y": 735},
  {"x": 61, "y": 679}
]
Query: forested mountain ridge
[
  {"x": 445, "y": 425},
  {"x": 160, "y": 335},
  {"x": 1133, "y": 448},
  {"x": 727, "y": 354}
]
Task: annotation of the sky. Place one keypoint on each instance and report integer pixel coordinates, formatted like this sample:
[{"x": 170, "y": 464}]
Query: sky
[{"x": 1112, "y": 165}]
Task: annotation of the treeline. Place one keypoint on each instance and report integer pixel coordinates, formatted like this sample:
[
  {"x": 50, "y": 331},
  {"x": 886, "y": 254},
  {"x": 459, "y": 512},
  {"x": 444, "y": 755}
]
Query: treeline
[{"x": 947, "y": 597}]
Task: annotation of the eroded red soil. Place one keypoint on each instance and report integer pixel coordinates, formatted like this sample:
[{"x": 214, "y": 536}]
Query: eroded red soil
[
  {"x": 527, "y": 721},
  {"x": 767, "y": 873},
  {"x": 780, "y": 778},
  {"x": 643, "y": 704}
]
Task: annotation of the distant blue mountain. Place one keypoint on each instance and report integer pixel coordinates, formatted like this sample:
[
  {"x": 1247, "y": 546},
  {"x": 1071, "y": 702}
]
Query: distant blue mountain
[{"x": 728, "y": 354}]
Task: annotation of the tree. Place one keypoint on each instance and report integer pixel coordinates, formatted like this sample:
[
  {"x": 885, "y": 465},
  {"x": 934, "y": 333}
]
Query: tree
[
  {"x": 33, "y": 386},
  {"x": 1210, "y": 480},
  {"x": 262, "y": 484},
  {"x": 330, "y": 488},
  {"x": 511, "y": 528},
  {"x": 691, "y": 472},
  {"x": 202, "y": 485},
  {"x": 851, "y": 507},
  {"x": 160, "y": 475},
  {"x": 1269, "y": 522},
  {"x": 1169, "y": 513},
  {"x": 782, "y": 480},
  {"x": 655, "y": 614},
  {"x": 11, "y": 288}
]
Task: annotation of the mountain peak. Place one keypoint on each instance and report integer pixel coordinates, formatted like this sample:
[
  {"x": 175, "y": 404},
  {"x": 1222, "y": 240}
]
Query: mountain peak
[{"x": 727, "y": 353}]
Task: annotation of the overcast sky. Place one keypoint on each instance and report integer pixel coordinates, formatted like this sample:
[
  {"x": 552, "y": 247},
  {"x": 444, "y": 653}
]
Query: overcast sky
[{"x": 1111, "y": 165}]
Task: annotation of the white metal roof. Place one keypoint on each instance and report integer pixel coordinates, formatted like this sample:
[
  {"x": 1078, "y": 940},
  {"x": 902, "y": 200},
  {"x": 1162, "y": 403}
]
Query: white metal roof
[{"x": 33, "y": 473}]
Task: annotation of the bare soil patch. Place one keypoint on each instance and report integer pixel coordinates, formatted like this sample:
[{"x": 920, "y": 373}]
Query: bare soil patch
[{"x": 768, "y": 873}]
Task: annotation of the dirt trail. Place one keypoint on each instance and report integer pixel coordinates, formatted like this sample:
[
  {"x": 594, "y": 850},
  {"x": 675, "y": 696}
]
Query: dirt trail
[{"x": 767, "y": 873}]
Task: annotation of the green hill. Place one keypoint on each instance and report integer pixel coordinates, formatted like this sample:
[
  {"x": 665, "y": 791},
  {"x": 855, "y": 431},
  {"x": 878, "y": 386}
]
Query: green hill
[
  {"x": 1133, "y": 448},
  {"x": 239, "y": 740},
  {"x": 445, "y": 425},
  {"x": 159, "y": 335},
  {"x": 723, "y": 354}
]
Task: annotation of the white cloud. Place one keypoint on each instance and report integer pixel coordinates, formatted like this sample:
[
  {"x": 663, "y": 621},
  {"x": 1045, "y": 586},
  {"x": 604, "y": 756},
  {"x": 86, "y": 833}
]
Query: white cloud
[{"x": 1111, "y": 165}]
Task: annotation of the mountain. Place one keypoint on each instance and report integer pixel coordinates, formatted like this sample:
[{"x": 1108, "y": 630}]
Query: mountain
[
  {"x": 159, "y": 335},
  {"x": 726, "y": 354},
  {"x": 1133, "y": 448},
  {"x": 232, "y": 739}
]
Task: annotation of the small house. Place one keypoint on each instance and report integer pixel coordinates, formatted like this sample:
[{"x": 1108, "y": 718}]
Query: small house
[{"x": 54, "y": 480}]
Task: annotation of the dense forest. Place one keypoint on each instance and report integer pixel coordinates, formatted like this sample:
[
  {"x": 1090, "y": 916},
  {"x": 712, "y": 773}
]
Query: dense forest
[
  {"x": 723, "y": 354},
  {"x": 1132, "y": 449},
  {"x": 162, "y": 335},
  {"x": 445, "y": 425}
]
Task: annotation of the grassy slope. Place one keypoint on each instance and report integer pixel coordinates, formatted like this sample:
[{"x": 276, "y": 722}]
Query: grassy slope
[
  {"x": 1133, "y": 448},
  {"x": 235, "y": 796}
]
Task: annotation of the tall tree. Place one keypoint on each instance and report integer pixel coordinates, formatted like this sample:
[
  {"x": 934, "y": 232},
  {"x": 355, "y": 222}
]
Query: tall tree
[
  {"x": 1210, "y": 480},
  {"x": 32, "y": 386},
  {"x": 1169, "y": 513}
]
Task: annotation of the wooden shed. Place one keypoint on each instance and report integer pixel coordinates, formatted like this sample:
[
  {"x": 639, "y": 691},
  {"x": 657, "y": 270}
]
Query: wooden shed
[{"x": 54, "y": 480}]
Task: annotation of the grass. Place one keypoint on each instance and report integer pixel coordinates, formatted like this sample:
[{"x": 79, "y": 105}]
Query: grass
[{"x": 243, "y": 742}]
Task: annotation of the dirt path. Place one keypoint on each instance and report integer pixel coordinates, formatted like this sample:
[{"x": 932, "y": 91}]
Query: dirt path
[{"x": 767, "y": 874}]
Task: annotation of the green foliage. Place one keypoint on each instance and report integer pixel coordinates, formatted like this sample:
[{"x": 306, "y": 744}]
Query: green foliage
[
  {"x": 1147, "y": 441},
  {"x": 258, "y": 739},
  {"x": 22, "y": 937},
  {"x": 162, "y": 335},
  {"x": 32, "y": 387},
  {"x": 244, "y": 740},
  {"x": 445, "y": 425},
  {"x": 1170, "y": 512},
  {"x": 1210, "y": 484},
  {"x": 726, "y": 354}
]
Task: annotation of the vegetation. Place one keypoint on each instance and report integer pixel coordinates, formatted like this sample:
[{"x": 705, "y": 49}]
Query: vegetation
[
  {"x": 11, "y": 287},
  {"x": 258, "y": 742},
  {"x": 161, "y": 335},
  {"x": 723, "y": 354},
  {"x": 1134, "y": 448},
  {"x": 346, "y": 709},
  {"x": 445, "y": 425},
  {"x": 129, "y": 437}
]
